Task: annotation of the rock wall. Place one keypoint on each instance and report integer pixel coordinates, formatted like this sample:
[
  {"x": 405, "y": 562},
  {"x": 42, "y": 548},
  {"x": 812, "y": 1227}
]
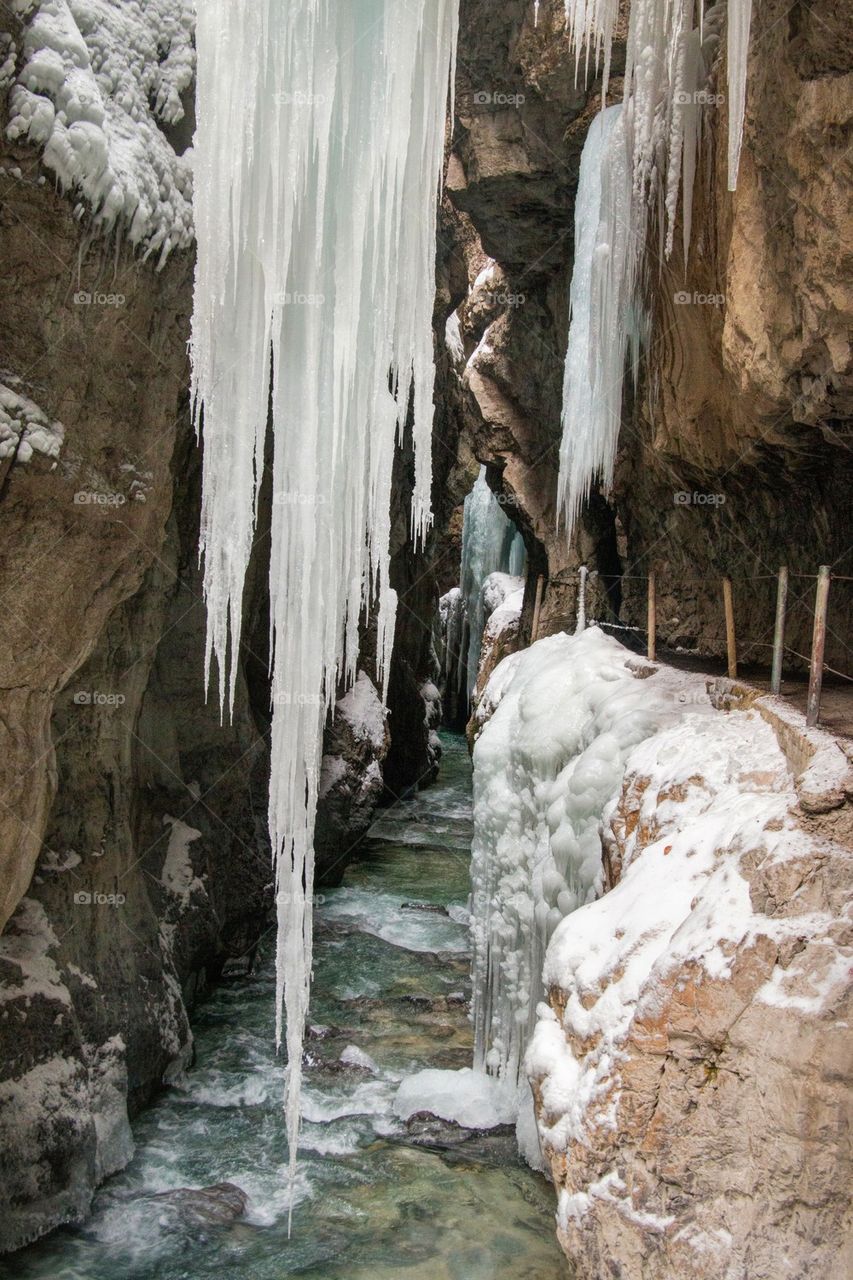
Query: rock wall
[
  {"x": 704, "y": 1040},
  {"x": 746, "y": 397}
]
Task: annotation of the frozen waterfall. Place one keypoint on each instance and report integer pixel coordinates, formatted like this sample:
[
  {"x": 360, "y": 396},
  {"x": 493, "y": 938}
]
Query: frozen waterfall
[
  {"x": 490, "y": 544},
  {"x": 635, "y": 160},
  {"x": 318, "y": 159}
]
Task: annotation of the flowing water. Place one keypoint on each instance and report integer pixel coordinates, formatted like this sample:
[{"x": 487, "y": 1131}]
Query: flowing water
[{"x": 375, "y": 1199}]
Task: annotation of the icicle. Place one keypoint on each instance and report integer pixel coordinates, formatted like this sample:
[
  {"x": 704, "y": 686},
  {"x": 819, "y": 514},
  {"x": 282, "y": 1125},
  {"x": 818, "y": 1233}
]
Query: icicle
[
  {"x": 739, "y": 20},
  {"x": 318, "y": 158},
  {"x": 602, "y": 293},
  {"x": 490, "y": 544}
]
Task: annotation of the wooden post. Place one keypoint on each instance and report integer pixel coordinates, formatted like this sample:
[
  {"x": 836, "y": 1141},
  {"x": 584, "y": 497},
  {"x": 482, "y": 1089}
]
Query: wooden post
[
  {"x": 731, "y": 646},
  {"x": 580, "y": 624},
  {"x": 652, "y": 618},
  {"x": 818, "y": 641},
  {"x": 540, "y": 590},
  {"x": 779, "y": 631}
]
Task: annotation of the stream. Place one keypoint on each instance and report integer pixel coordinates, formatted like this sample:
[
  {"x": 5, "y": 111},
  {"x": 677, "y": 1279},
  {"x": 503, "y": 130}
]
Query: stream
[{"x": 375, "y": 1198}]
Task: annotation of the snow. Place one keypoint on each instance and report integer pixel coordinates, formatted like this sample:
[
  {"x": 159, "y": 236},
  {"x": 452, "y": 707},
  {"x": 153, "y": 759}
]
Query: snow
[
  {"x": 25, "y": 428},
  {"x": 712, "y": 789},
  {"x": 467, "y": 1097},
  {"x": 315, "y": 277},
  {"x": 363, "y": 711},
  {"x": 25, "y": 944},
  {"x": 453, "y": 339},
  {"x": 570, "y": 727},
  {"x": 507, "y": 597},
  {"x": 490, "y": 543},
  {"x": 178, "y": 875},
  {"x": 352, "y": 1056},
  {"x": 99, "y": 79}
]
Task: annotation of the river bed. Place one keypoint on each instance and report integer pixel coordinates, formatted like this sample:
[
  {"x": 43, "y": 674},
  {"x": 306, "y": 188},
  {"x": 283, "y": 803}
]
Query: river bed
[{"x": 375, "y": 1199}]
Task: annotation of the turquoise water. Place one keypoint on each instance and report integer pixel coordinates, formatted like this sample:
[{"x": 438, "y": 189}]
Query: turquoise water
[{"x": 374, "y": 1199}]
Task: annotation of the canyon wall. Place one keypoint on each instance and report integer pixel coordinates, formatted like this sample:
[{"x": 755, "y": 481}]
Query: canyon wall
[{"x": 734, "y": 453}]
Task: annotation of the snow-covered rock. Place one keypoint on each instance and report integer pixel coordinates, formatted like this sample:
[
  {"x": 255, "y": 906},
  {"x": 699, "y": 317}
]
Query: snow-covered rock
[
  {"x": 666, "y": 873},
  {"x": 99, "y": 81}
]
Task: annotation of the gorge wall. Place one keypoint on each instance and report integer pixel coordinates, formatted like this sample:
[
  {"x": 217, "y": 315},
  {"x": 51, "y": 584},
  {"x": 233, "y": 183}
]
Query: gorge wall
[{"x": 734, "y": 453}]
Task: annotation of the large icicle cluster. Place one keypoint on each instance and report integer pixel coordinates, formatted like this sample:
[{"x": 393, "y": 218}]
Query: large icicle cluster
[
  {"x": 568, "y": 711},
  {"x": 632, "y": 164},
  {"x": 490, "y": 544},
  {"x": 318, "y": 161}
]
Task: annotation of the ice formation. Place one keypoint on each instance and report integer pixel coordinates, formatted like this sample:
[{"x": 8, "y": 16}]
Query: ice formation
[
  {"x": 636, "y": 158},
  {"x": 25, "y": 428},
  {"x": 451, "y": 617},
  {"x": 490, "y": 543},
  {"x": 98, "y": 80},
  {"x": 545, "y": 765},
  {"x": 601, "y": 298},
  {"x": 313, "y": 299}
]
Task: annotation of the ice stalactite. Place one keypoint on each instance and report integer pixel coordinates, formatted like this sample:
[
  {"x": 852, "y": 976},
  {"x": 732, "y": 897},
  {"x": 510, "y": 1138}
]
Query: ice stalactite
[
  {"x": 490, "y": 544},
  {"x": 737, "y": 37},
  {"x": 318, "y": 160},
  {"x": 601, "y": 301},
  {"x": 652, "y": 147}
]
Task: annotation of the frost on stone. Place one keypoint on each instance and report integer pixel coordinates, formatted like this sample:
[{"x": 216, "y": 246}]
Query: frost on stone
[
  {"x": 98, "y": 80},
  {"x": 25, "y": 428}
]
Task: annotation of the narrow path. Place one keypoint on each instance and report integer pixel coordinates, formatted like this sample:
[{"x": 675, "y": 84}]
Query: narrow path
[{"x": 376, "y": 1199}]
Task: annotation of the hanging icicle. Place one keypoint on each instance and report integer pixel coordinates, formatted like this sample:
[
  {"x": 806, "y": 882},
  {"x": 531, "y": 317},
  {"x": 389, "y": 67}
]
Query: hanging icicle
[
  {"x": 601, "y": 308},
  {"x": 318, "y": 159}
]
